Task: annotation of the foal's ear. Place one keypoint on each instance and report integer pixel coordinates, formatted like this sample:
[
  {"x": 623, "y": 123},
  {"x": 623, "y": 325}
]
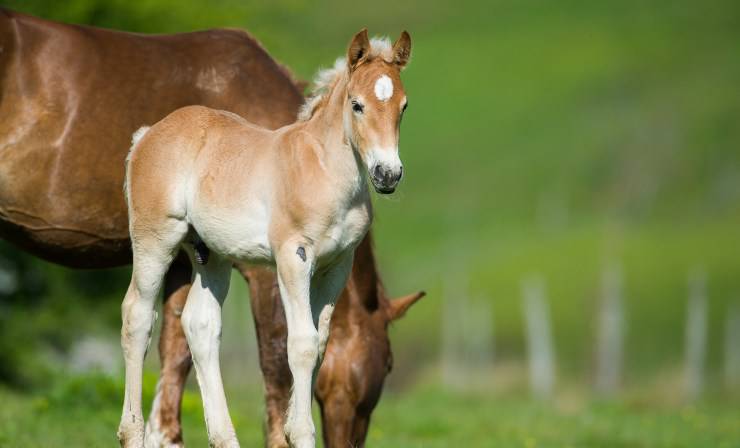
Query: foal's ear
[
  {"x": 402, "y": 50},
  {"x": 358, "y": 50}
]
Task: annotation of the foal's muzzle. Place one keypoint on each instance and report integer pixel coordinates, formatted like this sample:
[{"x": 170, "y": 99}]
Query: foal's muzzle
[{"x": 384, "y": 179}]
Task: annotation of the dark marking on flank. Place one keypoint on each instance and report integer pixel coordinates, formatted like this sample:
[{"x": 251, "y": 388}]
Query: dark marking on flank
[
  {"x": 301, "y": 253},
  {"x": 201, "y": 252}
]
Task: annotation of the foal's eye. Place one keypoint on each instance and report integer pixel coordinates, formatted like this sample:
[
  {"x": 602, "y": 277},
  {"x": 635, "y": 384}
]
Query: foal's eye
[
  {"x": 403, "y": 109},
  {"x": 357, "y": 107}
]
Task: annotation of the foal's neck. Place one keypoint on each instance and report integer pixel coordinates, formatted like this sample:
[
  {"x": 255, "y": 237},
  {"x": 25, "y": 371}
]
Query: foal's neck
[{"x": 327, "y": 126}]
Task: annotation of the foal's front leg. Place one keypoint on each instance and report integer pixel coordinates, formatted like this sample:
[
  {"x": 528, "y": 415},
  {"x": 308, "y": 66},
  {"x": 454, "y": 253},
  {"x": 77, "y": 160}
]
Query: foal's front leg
[
  {"x": 308, "y": 329},
  {"x": 201, "y": 321},
  {"x": 325, "y": 289}
]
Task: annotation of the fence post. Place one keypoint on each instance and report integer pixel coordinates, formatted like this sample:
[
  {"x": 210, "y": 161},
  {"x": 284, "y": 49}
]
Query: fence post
[
  {"x": 696, "y": 334},
  {"x": 454, "y": 301},
  {"x": 467, "y": 335},
  {"x": 477, "y": 332},
  {"x": 610, "y": 332},
  {"x": 540, "y": 350},
  {"x": 732, "y": 347}
]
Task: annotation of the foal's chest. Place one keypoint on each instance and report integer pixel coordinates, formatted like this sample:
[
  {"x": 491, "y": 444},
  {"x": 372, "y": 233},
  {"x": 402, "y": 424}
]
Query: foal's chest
[{"x": 346, "y": 232}]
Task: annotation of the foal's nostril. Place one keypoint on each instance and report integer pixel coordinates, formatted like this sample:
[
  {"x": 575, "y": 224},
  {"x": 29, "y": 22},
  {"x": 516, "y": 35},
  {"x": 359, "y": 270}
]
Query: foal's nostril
[
  {"x": 397, "y": 176},
  {"x": 392, "y": 177},
  {"x": 378, "y": 172},
  {"x": 389, "y": 178}
]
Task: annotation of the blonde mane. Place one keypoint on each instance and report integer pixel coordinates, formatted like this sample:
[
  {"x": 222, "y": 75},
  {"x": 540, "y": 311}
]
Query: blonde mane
[{"x": 380, "y": 47}]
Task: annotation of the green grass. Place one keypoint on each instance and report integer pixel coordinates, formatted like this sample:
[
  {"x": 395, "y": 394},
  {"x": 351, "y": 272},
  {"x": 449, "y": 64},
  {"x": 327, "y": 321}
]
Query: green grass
[
  {"x": 433, "y": 417},
  {"x": 85, "y": 411}
]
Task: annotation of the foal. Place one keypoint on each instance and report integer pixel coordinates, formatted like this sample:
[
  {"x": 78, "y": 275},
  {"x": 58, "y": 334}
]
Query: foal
[{"x": 225, "y": 190}]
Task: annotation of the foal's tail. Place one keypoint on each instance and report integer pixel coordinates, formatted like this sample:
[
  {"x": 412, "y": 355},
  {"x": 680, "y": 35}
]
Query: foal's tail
[
  {"x": 135, "y": 139},
  {"x": 138, "y": 135}
]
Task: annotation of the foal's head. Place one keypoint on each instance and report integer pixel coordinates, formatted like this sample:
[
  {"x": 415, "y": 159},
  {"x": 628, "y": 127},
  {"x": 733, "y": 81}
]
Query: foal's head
[{"x": 374, "y": 105}]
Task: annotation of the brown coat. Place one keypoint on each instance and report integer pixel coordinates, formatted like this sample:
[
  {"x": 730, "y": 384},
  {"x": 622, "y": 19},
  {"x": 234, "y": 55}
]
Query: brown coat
[{"x": 71, "y": 98}]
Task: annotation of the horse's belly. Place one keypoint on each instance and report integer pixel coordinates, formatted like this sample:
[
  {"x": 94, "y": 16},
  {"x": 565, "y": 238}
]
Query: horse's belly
[
  {"x": 77, "y": 219},
  {"x": 241, "y": 235}
]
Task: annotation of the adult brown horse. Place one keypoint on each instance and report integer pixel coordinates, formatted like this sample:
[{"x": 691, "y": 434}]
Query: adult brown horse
[{"x": 70, "y": 98}]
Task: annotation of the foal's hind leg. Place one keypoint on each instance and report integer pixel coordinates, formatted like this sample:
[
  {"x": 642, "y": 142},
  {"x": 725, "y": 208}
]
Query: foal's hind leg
[
  {"x": 153, "y": 254},
  {"x": 272, "y": 332},
  {"x": 163, "y": 429},
  {"x": 201, "y": 320}
]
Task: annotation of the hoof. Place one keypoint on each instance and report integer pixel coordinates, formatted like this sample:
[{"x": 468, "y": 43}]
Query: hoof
[
  {"x": 230, "y": 442},
  {"x": 155, "y": 438},
  {"x": 277, "y": 439},
  {"x": 131, "y": 437},
  {"x": 300, "y": 438}
]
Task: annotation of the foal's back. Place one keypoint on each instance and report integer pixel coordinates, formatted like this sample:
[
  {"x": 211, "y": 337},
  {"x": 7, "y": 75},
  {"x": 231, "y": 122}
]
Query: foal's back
[{"x": 211, "y": 169}]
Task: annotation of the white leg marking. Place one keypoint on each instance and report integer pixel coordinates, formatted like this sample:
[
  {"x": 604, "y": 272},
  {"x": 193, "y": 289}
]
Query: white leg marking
[
  {"x": 150, "y": 264},
  {"x": 308, "y": 305},
  {"x": 201, "y": 321},
  {"x": 325, "y": 291},
  {"x": 294, "y": 279},
  {"x": 324, "y": 327}
]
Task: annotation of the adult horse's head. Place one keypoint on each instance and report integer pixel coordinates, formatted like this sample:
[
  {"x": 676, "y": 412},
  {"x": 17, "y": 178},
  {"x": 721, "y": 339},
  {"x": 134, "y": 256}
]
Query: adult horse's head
[
  {"x": 358, "y": 357},
  {"x": 375, "y": 104}
]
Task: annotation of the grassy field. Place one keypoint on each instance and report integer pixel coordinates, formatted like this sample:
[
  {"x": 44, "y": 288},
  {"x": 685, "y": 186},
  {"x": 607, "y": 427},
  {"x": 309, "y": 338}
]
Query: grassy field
[
  {"x": 549, "y": 138},
  {"x": 84, "y": 412},
  {"x": 540, "y": 138}
]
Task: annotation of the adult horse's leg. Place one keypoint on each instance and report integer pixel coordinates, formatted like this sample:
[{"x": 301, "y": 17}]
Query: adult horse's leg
[
  {"x": 163, "y": 428},
  {"x": 272, "y": 340},
  {"x": 201, "y": 321}
]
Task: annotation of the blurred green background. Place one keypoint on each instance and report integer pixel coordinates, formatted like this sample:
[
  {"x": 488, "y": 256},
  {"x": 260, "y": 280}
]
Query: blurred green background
[{"x": 560, "y": 140}]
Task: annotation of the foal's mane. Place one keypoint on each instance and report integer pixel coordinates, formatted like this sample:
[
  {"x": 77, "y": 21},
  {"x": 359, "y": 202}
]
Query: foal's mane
[{"x": 325, "y": 79}]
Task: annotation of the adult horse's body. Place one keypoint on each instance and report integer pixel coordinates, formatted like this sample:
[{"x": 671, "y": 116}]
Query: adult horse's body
[
  {"x": 225, "y": 190},
  {"x": 70, "y": 92},
  {"x": 70, "y": 97}
]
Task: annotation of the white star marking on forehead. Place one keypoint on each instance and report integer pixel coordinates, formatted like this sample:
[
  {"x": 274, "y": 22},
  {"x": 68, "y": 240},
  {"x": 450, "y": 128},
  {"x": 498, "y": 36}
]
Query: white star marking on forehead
[{"x": 384, "y": 88}]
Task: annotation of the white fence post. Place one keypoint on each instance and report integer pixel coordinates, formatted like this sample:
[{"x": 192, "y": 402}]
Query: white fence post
[
  {"x": 732, "y": 347},
  {"x": 540, "y": 350},
  {"x": 467, "y": 335},
  {"x": 610, "y": 332},
  {"x": 454, "y": 301},
  {"x": 477, "y": 332},
  {"x": 696, "y": 334}
]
